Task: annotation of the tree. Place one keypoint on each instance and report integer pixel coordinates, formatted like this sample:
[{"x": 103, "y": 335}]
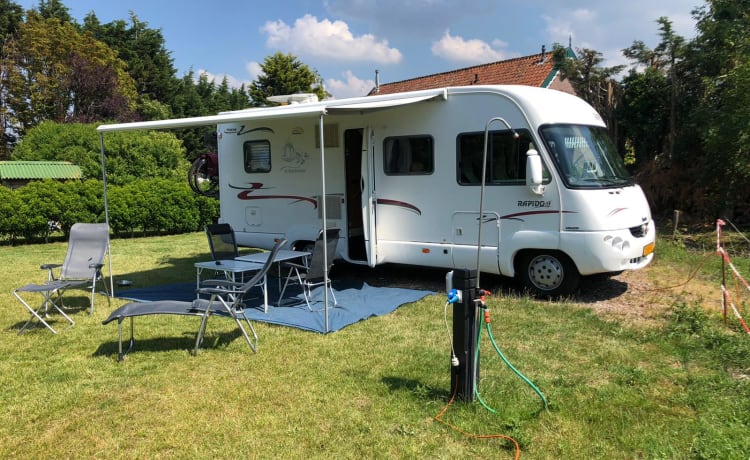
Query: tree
[
  {"x": 49, "y": 9},
  {"x": 643, "y": 113},
  {"x": 720, "y": 56},
  {"x": 188, "y": 102},
  {"x": 48, "y": 69},
  {"x": 651, "y": 97},
  {"x": 592, "y": 82},
  {"x": 285, "y": 74},
  {"x": 11, "y": 17},
  {"x": 664, "y": 58},
  {"x": 143, "y": 50}
]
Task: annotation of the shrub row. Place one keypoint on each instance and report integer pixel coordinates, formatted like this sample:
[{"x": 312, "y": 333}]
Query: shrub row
[{"x": 140, "y": 207}]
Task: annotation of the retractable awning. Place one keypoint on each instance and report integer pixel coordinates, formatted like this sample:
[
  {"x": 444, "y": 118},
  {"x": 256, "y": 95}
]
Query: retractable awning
[
  {"x": 373, "y": 103},
  {"x": 289, "y": 111},
  {"x": 313, "y": 109}
]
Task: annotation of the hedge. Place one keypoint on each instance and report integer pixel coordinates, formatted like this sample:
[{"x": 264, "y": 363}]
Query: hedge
[{"x": 140, "y": 207}]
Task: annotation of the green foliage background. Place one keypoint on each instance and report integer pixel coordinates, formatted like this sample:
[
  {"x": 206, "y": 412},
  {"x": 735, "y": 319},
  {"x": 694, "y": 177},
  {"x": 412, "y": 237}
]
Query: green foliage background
[
  {"x": 129, "y": 154},
  {"x": 140, "y": 207}
]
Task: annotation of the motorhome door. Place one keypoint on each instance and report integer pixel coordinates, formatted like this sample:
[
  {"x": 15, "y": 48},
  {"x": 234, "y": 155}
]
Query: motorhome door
[
  {"x": 368, "y": 196},
  {"x": 353, "y": 156}
]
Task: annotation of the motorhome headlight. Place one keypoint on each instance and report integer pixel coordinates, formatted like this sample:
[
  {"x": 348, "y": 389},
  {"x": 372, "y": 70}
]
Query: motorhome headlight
[
  {"x": 640, "y": 231},
  {"x": 617, "y": 243}
]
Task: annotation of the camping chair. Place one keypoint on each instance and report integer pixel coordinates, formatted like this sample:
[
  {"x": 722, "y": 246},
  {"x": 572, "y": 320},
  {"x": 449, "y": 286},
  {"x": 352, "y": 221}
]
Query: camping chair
[
  {"x": 315, "y": 272},
  {"x": 221, "y": 242},
  {"x": 81, "y": 269},
  {"x": 223, "y": 245},
  {"x": 224, "y": 297}
]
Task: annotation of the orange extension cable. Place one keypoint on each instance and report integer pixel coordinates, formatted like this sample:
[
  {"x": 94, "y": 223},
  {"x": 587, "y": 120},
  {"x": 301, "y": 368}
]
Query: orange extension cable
[{"x": 439, "y": 418}]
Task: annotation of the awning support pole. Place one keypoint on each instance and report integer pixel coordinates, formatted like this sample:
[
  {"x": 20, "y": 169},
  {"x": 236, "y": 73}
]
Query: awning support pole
[
  {"x": 106, "y": 215},
  {"x": 325, "y": 219}
]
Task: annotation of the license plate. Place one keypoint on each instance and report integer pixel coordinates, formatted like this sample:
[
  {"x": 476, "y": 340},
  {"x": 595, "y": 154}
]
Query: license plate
[{"x": 648, "y": 249}]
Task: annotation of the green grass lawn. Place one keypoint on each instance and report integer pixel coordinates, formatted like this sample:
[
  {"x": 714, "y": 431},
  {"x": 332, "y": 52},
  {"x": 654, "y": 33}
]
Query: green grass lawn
[{"x": 677, "y": 387}]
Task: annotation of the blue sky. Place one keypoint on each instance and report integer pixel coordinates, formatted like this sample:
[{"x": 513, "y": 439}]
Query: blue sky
[{"x": 347, "y": 40}]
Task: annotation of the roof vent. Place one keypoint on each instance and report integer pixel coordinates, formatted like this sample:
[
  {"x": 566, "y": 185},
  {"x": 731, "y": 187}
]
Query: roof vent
[{"x": 298, "y": 98}]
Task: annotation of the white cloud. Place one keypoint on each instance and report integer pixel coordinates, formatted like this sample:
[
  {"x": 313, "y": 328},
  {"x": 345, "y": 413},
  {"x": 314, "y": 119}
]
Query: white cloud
[
  {"x": 350, "y": 86},
  {"x": 329, "y": 40},
  {"x": 608, "y": 27},
  {"x": 411, "y": 19},
  {"x": 585, "y": 15},
  {"x": 254, "y": 69},
  {"x": 455, "y": 48}
]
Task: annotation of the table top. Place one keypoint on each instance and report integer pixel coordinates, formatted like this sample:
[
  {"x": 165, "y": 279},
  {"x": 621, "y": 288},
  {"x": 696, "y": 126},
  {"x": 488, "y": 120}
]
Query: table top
[
  {"x": 282, "y": 255},
  {"x": 229, "y": 265}
]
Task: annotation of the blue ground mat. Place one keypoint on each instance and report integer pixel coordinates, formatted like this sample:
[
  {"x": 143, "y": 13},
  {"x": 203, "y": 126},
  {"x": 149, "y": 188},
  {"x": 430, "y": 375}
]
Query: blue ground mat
[{"x": 357, "y": 301}]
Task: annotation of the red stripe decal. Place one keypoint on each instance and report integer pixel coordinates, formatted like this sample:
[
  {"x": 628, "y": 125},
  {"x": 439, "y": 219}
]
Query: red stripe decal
[{"x": 400, "y": 204}]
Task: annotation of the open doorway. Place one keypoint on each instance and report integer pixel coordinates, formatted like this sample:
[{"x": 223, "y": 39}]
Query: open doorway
[{"x": 353, "y": 164}]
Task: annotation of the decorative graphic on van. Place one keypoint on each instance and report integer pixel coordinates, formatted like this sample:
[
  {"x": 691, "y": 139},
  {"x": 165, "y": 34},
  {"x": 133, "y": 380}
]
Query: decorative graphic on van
[
  {"x": 242, "y": 130},
  {"x": 519, "y": 215},
  {"x": 400, "y": 204},
  {"x": 296, "y": 160},
  {"x": 246, "y": 192},
  {"x": 615, "y": 211}
]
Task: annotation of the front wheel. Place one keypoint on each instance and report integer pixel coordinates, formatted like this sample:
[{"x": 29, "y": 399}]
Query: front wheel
[{"x": 548, "y": 274}]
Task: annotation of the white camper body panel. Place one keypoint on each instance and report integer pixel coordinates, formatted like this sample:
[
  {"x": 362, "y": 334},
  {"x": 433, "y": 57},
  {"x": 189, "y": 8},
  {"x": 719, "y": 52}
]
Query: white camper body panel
[{"x": 270, "y": 184}]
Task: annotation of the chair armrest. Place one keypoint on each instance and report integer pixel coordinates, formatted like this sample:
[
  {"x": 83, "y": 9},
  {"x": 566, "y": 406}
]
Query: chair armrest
[
  {"x": 219, "y": 283},
  {"x": 218, "y": 291},
  {"x": 221, "y": 287},
  {"x": 97, "y": 265},
  {"x": 50, "y": 266}
]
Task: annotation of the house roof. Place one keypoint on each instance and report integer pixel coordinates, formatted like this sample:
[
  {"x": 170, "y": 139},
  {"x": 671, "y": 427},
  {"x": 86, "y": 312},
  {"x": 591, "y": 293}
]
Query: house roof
[
  {"x": 536, "y": 70},
  {"x": 39, "y": 170}
]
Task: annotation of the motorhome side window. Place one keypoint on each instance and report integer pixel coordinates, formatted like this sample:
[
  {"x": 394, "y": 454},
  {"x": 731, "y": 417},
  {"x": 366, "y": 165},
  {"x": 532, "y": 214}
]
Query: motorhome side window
[
  {"x": 506, "y": 158},
  {"x": 257, "y": 156},
  {"x": 408, "y": 155}
]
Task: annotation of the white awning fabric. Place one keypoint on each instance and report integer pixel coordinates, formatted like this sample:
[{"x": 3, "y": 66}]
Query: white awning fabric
[
  {"x": 313, "y": 109},
  {"x": 298, "y": 110},
  {"x": 372, "y": 104}
]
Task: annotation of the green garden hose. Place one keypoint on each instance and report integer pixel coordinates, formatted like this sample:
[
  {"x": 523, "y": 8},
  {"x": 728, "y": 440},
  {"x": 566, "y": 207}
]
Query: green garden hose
[{"x": 505, "y": 360}]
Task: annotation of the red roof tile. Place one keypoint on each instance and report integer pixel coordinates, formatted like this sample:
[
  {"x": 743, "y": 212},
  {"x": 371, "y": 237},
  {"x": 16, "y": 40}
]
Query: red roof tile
[{"x": 528, "y": 70}]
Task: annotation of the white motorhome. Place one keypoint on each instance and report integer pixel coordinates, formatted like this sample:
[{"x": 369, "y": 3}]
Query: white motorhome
[{"x": 402, "y": 175}]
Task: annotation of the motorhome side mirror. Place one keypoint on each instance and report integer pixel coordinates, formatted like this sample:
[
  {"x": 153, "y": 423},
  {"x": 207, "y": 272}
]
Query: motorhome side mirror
[{"x": 534, "y": 177}]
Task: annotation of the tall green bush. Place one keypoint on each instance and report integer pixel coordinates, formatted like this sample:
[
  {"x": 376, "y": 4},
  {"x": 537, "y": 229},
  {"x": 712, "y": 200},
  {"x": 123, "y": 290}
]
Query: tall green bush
[
  {"x": 129, "y": 155},
  {"x": 143, "y": 206}
]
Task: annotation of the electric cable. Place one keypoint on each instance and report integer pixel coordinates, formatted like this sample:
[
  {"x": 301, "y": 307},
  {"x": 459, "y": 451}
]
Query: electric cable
[
  {"x": 454, "y": 359},
  {"x": 439, "y": 418}
]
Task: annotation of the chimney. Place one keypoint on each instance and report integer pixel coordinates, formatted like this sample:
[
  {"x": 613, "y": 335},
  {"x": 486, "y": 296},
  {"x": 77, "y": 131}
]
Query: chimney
[
  {"x": 377, "y": 81},
  {"x": 544, "y": 55}
]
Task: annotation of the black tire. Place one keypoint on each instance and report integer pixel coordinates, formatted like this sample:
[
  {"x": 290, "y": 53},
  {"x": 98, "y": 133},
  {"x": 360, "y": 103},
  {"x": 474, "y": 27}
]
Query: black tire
[{"x": 547, "y": 274}]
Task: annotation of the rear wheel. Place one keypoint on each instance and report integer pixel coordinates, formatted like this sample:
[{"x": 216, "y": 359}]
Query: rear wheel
[{"x": 548, "y": 273}]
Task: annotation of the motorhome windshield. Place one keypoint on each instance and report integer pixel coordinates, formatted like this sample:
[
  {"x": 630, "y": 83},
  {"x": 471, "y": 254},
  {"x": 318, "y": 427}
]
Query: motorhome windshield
[{"x": 585, "y": 156}]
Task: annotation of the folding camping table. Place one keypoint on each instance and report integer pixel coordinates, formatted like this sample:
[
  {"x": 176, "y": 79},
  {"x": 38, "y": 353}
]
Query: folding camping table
[{"x": 231, "y": 268}]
